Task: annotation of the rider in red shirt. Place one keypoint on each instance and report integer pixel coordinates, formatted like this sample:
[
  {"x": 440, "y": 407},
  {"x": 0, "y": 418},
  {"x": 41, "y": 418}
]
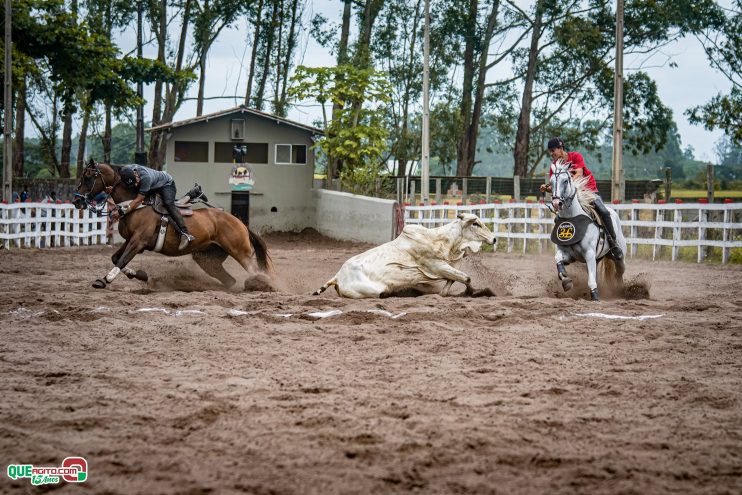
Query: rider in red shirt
[{"x": 578, "y": 169}]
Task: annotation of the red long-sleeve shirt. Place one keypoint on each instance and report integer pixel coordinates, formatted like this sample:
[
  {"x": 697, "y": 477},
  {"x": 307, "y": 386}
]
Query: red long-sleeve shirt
[{"x": 579, "y": 162}]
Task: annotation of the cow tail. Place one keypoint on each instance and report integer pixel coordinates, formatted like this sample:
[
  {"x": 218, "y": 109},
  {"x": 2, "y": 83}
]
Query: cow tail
[{"x": 328, "y": 284}]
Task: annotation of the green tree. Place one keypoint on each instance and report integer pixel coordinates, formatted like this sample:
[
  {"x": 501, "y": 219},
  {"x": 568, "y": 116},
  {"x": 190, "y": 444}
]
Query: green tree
[
  {"x": 724, "y": 50},
  {"x": 357, "y": 135}
]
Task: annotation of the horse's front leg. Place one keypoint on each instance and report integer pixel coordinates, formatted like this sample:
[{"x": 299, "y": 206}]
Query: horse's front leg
[
  {"x": 562, "y": 259},
  {"x": 592, "y": 270},
  {"x": 130, "y": 249},
  {"x": 137, "y": 274}
]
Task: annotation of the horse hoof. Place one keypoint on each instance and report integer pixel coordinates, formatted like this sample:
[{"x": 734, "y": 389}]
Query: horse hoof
[
  {"x": 486, "y": 292},
  {"x": 99, "y": 284},
  {"x": 594, "y": 295},
  {"x": 567, "y": 284},
  {"x": 142, "y": 275}
]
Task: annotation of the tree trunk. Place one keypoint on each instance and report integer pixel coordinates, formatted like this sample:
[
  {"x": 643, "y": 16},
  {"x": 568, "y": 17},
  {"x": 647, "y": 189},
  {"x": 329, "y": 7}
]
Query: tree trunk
[
  {"x": 402, "y": 155},
  {"x": 66, "y": 152},
  {"x": 256, "y": 39},
  {"x": 82, "y": 143},
  {"x": 20, "y": 128},
  {"x": 69, "y": 111},
  {"x": 522, "y": 136},
  {"x": 201, "y": 84},
  {"x": 333, "y": 165},
  {"x": 205, "y": 45},
  {"x": 463, "y": 148},
  {"x": 473, "y": 130},
  {"x": 107, "y": 136},
  {"x": 290, "y": 45},
  {"x": 156, "y": 142},
  {"x": 267, "y": 57}
]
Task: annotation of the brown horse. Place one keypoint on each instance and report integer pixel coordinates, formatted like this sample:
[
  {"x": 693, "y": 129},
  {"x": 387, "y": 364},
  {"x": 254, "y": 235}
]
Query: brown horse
[{"x": 218, "y": 234}]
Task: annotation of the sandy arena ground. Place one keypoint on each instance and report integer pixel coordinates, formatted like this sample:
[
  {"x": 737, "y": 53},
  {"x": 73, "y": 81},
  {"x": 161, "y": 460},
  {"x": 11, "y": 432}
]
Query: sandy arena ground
[{"x": 177, "y": 386}]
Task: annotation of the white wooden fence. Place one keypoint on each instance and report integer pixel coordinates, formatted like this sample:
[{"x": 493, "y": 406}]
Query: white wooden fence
[
  {"x": 673, "y": 226},
  {"x": 44, "y": 225}
]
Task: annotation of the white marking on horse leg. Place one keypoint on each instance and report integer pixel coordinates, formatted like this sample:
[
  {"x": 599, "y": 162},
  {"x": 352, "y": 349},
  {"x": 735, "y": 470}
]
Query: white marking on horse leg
[
  {"x": 592, "y": 270},
  {"x": 113, "y": 274},
  {"x": 129, "y": 271}
]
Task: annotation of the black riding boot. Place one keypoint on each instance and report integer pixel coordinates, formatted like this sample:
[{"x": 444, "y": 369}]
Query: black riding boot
[
  {"x": 168, "y": 198},
  {"x": 605, "y": 215}
]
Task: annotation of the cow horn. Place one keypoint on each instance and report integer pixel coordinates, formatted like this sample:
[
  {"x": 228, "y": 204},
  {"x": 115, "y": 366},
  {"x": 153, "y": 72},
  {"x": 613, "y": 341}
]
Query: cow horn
[{"x": 460, "y": 216}]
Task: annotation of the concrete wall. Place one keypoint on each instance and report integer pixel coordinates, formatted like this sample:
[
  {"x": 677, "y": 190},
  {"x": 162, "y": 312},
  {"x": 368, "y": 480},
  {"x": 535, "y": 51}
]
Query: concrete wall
[
  {"x": 353, "y": 218},
  {"x": 285, "y": 188}
]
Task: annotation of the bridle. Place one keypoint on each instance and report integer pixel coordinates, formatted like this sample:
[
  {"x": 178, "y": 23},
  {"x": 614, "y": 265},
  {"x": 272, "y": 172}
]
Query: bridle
[
  {"x": 566, "y": 201},
  {"x": 88, "y": 199}
]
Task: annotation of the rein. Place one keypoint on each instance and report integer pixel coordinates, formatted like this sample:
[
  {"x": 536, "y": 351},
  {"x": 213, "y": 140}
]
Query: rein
[
  {"x": 88, "y": 198},
  {"x": 566, "y": 201}
]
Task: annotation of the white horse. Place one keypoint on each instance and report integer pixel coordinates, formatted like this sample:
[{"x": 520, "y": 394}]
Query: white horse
[{"x": 577, "y": 236}]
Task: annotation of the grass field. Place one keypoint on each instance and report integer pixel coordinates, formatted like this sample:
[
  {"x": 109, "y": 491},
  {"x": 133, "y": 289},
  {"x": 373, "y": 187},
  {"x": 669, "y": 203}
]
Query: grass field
[{"x": 698, "y": 193}]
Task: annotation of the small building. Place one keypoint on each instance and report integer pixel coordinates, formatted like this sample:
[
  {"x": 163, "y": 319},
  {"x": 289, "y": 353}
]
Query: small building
[{"x": 276, "y": 151}]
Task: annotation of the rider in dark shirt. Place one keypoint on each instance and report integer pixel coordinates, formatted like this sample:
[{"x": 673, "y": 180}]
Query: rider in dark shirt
[{"x": 146, "y": 181}]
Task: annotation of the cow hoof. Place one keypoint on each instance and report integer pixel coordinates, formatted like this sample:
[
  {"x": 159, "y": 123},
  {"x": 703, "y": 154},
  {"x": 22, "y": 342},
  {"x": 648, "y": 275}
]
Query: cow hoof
[
  {"x": 567, "y": 284},
  {"x": 594, "y": 295},
  {"x": 99, "y": 284}
]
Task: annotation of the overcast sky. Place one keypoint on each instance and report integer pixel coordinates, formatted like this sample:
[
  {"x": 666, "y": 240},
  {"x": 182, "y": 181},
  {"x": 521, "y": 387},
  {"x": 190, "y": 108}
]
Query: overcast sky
[{"x": 692, "y": 82}]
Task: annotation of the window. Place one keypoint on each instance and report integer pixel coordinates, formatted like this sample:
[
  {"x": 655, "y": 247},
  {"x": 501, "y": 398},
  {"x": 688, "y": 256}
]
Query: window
[
  {"x": 191, "y": 151},
  {"x": 237, "y": 129},
  {"x": 252, "y": 152},
  {"x": 291, "y": 154}
]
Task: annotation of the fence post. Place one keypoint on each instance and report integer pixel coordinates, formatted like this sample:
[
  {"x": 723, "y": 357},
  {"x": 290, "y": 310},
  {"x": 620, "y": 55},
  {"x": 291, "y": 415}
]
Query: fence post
[
  {"x": 676, "y": 234},
  {"x": 725, "y": 235},
  {"x": 510, "y": 228},
  {"x": 710, "y": 183},
  {"x": 668, "y": 184},
  {"x": 412, "y": 198},
  {"x": 438, "y": 190},
  {"x": 657, "y": 231},
  {"x": 702, "y": 218},
  {"x": 464, "y": 189},
  {"x": 541, "y": 228},
  {"x": 487, "y": 189},
  {"x": 526, "y": 216},
  {"x": 516, "y": 187},
  {"x": 633, "y": 231}
]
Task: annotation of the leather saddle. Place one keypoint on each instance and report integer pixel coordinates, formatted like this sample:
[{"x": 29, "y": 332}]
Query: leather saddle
[{"x": 195, "y": 195}]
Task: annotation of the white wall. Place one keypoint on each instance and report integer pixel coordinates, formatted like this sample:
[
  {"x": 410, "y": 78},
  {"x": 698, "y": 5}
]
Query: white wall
[{"x": 350, "y": 217}]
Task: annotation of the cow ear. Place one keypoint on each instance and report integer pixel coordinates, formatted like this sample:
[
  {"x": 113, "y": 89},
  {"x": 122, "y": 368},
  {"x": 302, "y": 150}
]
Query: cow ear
[{"x": 460, "y": 216}]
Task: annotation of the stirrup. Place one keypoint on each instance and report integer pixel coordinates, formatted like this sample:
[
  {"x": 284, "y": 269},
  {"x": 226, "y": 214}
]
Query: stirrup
[{"x": 185, "y": 238}]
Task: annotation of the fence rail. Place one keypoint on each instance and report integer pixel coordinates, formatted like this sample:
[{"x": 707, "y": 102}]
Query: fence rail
[
  {"x": 44, "y": 225},
  {"x": 672, "y": 226}
]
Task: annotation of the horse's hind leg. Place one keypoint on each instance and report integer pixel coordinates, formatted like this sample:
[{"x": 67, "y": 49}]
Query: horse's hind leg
[{"x": 210, "y": 260}]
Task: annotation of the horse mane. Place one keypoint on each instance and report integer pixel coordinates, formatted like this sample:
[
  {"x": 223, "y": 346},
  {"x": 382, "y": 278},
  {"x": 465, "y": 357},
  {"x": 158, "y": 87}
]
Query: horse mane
[{"x": 584, "y": 195}]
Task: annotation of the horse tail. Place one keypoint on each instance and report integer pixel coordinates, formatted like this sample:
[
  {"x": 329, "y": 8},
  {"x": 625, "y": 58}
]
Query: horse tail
[
  {"x": 328, "y": 284},
  {"x": 612, "y": 271},
  {"x": 261, "y": 251}
]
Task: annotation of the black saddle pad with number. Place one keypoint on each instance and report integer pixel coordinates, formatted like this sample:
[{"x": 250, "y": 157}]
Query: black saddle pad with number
[{"x": 568, "y": 231}]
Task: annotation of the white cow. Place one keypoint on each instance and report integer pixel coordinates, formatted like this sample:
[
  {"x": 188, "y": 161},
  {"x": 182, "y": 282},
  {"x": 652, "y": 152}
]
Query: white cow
[{"x": 413, "y": 261}]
